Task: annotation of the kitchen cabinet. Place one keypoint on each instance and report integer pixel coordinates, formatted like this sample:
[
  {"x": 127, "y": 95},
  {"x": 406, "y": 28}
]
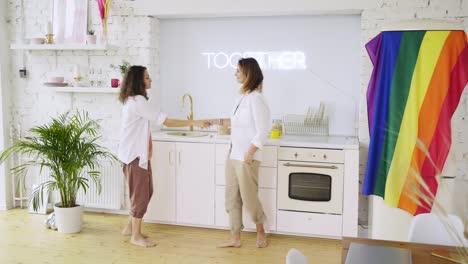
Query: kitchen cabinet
[
  {"x": 189, "y": 186},
  {"x": 270, "y": 155},
  {"x": 162, "y": 207},
  {"x": 326, "y": 225},
  {"x": 268, "y": 200},
  {"x": 267, "y": 174},
  {"x": 183, "y": 183},
  {"x": 195, "y": 183},
  {"x": 267, "y": 180},
  {"x": 267, "y": 177}
]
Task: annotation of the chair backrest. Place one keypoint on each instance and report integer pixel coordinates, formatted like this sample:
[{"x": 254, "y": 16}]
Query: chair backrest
[
  {"x": 428, "y": 229},
  {"x": 295, "y": 257}
]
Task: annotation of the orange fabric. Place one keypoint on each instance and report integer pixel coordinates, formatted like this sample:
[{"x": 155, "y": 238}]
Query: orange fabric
[
  {"x": 150, "y": 149},
  {"x": 432, "y": 105}
]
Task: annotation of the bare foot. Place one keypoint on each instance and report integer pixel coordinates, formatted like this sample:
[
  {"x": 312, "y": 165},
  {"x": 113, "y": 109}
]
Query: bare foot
[
  {"x": 142, "y": 242},
  {"x": 261, "y": 240},
  {"x": 127, "y": 231},
  {"x": 229, "y": 243}
]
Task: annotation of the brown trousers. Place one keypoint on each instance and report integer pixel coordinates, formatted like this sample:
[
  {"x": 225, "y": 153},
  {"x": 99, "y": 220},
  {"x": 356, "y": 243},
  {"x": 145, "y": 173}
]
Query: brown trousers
[{"x": 140, "y": 185}]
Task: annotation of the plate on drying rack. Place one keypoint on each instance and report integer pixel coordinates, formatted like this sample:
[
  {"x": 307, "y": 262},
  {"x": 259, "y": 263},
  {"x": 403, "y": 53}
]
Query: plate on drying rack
[{"x": 55, "y": 84}]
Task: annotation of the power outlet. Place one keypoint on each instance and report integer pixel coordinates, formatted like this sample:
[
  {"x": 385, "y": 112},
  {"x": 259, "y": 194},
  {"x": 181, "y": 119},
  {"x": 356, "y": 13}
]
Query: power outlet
[{"x": 23, "y": 73}]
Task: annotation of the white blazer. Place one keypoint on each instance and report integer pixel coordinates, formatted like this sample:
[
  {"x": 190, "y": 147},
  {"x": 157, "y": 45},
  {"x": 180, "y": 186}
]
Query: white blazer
[
  {"x": 135, "y": 130},
  {"x": 250, "y": 124}
]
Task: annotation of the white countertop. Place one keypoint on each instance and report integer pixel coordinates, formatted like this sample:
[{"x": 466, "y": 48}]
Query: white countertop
[{"x": 330, "y": 142}]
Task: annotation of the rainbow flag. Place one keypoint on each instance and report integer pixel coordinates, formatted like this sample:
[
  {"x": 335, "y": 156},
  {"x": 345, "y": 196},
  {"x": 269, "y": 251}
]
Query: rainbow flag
[{"x": 415, "y": 87}]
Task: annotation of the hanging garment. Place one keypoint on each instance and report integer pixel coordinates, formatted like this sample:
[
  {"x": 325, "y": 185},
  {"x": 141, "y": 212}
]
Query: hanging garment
[{"x": 415, "y": 88}]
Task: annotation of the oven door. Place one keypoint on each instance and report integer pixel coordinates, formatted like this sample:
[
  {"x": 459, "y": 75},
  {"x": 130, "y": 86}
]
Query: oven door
[{"x": 310, "y": 187}]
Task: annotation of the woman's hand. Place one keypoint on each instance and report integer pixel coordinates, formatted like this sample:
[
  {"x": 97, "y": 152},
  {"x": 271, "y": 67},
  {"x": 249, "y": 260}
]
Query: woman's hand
[
  {"x": 202, "y": 123},
  {"x": 248, "y": 157}
]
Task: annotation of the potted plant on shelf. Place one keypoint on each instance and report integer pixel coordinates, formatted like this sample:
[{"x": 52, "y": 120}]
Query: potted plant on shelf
[
  {"x": 68, "y": 147},
  {"x": 91, "y": 38},
  {"x": 123, "y": 68}
]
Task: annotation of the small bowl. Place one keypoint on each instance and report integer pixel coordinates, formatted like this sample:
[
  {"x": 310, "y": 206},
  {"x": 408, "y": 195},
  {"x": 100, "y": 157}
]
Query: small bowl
[
  {"x": 37, "y": 41},
  {"x": 55, "y": 79}
]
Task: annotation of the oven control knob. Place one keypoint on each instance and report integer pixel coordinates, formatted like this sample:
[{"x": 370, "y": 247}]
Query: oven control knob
[{"x": 324, "y": 156}]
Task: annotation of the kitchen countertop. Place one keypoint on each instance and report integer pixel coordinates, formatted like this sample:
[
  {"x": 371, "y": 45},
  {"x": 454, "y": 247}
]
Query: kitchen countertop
[{"x": 328, "y": 142}]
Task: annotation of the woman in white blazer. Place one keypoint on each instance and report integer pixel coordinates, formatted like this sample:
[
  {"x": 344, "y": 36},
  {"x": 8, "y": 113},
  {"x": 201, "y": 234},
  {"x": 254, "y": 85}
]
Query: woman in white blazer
[
  {"x": 250, "y": 125},
  {"x": 135, "y": 147}
]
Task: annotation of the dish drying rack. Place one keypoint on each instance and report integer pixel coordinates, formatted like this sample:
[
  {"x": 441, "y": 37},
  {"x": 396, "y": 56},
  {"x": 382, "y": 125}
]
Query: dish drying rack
[{"x": 305, "y": 125}]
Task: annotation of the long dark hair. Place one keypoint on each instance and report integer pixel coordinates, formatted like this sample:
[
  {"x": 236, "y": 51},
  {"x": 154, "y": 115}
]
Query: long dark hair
[
  {"x": 253, "y": 75},
  {"x": 133, "y": 83}
]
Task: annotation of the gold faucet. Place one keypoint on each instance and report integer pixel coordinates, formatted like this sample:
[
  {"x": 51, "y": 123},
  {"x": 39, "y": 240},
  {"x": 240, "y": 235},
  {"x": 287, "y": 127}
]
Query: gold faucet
[{"x": 190, "y": 116}]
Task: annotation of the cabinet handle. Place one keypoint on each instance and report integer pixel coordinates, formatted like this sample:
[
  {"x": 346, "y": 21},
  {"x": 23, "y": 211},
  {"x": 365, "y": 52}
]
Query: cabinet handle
[
  {"x": 180, "y": 161},
  {"x": 170, "y": 159},
  {"x": 310, "y": 166},
  {"x": 448, "y": 177}
]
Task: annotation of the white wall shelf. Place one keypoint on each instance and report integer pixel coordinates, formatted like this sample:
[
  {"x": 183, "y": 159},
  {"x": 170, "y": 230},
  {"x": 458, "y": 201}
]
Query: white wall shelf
[
  {"x": 70, "y": 89},
  {"x": 60, "y": 46}
]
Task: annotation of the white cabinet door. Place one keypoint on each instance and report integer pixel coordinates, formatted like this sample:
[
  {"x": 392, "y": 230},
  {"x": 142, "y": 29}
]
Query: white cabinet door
[
  {"x": 221, "y": 217},
  {"x": 162, "y": 206},
  {"x": 195, "y": 183},
  {"x": 267, "y": 198},
  {"x": 270, "y": 155},
  {"x": 327, "y": 225},
  {"x": 266, "y": 176}
]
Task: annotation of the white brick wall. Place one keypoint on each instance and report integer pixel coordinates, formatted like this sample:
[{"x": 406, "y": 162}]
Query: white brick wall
[
  {"x": 5, "y": 179},
  {"x": 133, "y": 36},
  {"x": 136, "y": 38}
]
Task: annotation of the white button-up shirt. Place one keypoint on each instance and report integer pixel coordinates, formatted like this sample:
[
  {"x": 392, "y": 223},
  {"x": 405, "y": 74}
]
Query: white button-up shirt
[
  {"x": 135, "y": 130},
  {"x": 250, "y": 124}
]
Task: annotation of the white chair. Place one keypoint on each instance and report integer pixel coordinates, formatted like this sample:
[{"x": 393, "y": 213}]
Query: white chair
[
  {"x": 296, "y": 257},
  {"x": 428, "y": 229}
]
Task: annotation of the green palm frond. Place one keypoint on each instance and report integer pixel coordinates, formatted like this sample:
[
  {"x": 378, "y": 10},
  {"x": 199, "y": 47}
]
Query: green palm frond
[{"x": 66, "y": 146}]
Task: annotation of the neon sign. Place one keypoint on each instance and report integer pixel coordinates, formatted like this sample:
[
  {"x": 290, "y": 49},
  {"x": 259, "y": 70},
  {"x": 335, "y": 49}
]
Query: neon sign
[{"x": 275, "y": 60}]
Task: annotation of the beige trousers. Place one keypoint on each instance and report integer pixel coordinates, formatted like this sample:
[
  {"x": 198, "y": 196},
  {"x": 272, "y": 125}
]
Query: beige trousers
[{"x": 242, "y": 189}]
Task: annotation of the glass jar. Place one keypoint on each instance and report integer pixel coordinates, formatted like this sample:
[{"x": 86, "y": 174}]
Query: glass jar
[
  {"x": 277, "y": 124},
  {"x": 277, "y": 129}
]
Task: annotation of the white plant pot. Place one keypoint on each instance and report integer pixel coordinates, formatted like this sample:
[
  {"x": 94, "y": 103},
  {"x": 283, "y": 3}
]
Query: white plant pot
[
  {"x": 68, "y": 220},
  {"x": 91, "y": 39}
]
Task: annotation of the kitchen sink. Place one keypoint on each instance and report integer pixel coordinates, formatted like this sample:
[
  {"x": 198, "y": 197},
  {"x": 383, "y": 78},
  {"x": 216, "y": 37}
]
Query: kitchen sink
[{"x": 187, "y": 134}]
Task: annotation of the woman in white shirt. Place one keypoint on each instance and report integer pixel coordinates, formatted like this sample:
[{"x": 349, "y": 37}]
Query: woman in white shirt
[
  {"x": 250, "y": 125},
  {"x": 135, "y": 148}
]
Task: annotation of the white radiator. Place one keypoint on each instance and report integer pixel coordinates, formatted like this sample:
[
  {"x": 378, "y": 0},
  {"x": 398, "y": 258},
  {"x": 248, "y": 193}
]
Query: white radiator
[
  {"x": 112, "y": 181},
  {"x": 112, "y": 189}
]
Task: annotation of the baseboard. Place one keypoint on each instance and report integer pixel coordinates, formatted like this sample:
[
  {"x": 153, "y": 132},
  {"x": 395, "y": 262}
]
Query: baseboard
[
  {"x": 5, "y": 208},
  {"x": 107, "y": 211}
]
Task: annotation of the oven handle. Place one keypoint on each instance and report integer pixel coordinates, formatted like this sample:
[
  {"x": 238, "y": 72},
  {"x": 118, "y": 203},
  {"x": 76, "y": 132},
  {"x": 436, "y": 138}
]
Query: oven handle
[{"x": 310, "y": 166}]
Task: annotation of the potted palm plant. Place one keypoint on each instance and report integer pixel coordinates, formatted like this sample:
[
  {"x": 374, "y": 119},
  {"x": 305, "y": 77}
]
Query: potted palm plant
[{"x": 68, "y": 147}]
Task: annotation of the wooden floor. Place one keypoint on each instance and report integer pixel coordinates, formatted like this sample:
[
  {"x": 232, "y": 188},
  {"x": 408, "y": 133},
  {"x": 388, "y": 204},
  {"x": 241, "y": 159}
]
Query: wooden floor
[{"x": 24, "y": 239}]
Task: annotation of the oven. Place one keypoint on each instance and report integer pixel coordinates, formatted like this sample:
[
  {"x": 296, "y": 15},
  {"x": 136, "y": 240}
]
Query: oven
[{"x": 310, "y": 180}]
